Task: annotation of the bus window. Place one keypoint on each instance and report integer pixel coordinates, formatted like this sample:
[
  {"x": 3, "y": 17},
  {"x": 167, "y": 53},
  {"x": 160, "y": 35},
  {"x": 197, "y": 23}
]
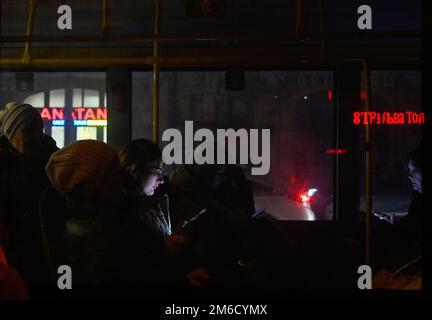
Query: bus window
[
  {"x": 294, "y": 105},
  {"x": 63, "y": 100},
  {"x": 396, "y": 100}
]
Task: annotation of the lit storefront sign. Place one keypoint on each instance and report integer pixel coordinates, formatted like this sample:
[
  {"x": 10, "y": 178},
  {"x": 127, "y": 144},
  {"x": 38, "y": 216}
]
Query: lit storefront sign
[{"x": 90, "y": 117}]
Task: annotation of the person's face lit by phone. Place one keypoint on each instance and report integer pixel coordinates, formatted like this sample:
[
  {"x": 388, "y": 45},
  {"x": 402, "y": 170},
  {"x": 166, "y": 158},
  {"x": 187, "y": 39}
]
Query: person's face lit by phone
[
  {"x": 415, "y": 176},
  {"x": 149, "y": 176}
]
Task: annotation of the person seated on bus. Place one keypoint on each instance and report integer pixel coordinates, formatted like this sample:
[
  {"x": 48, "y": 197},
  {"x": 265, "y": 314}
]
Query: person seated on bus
[
  {"x": 222, "y": 188},
  {"x": 235, "y": 191},
  {"x": 222, "y": 233},
  {"x": 407, "y": 228},
  {"x": 25, "y": 150},
  {"x": 13, "y": 187},
  {"x": 21, "y": 128},
  {"x": 216, "y": 234},
  {"x": 227, "y": 184},
  {"x": 410, "y": 225},
  {"x": 105, "y": 242},
  {"x": 142, "y": 165},
  {"x": 397, "y": 242}
]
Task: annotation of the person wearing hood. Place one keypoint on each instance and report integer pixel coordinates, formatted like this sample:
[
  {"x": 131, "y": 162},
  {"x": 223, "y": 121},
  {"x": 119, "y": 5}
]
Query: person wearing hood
[
  {"x": 104, "y": 241},
  {"x": 24, "y": 152}
]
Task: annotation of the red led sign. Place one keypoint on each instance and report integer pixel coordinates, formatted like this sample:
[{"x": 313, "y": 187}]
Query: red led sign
[
  {"x": 77, "y": 114},
  {"x": 89, "y": 114},
  {"x": 336, "y": 151},
  {"x": 395, "y": 118},
  {"x": 363, "y": 95}
]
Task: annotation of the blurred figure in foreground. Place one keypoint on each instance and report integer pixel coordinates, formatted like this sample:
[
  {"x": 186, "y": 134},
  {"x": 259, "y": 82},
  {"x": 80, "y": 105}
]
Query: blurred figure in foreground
[
  {"x": 105, "y": 242},
  {"x": 24, "y": 152}
]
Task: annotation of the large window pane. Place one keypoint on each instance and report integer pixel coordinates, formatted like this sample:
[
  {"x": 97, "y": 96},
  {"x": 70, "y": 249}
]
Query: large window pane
[
  {"x": 294, "y": 105},
  {"x": 91, "y": 98},
  {"x": 393, "y": 92},
  {"x": 37, "y": 100},
  {"x": 57, "y": 98},
  {"x": 84, "y": 133},
  {"x": 57, "y": 133}
]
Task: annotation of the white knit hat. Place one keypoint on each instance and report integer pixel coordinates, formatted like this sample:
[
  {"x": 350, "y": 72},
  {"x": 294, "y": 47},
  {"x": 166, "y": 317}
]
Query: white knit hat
[{"x": 14, "y": 115}]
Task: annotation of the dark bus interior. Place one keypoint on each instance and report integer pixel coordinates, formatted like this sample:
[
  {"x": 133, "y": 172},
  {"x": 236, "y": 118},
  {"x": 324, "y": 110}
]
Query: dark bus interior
[{"x": 132, "y": 69}]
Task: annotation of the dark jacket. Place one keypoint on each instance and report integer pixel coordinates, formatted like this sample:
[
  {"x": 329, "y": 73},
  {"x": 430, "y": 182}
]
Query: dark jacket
[
  {"x": 112, "y": 247},
  {"x": 154, "y": 211},
  {"x": 22, "y": 181},
  {"x": 397, "y": 244},
  {"x": 14, "y": 184},
  {"x": 217, "y": 234},
  {"x": 409, "y": 227},
  {"x": 102, "y": 239}
]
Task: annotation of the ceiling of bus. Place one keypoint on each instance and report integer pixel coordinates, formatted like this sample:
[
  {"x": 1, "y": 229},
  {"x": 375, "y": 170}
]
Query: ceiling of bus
[
  {"x": 237, "y": 24},
  {"x": 177, "y": 17}
]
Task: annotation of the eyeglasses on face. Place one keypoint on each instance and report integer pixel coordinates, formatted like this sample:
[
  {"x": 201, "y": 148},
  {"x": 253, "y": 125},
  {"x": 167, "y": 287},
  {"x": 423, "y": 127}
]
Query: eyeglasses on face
[
  {"x": 156, "y": 170},
  {"x": 413, "y": 171}
]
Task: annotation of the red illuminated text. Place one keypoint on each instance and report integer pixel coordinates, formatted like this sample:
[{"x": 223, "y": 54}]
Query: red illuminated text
[
  {"x": 76, "y": 114},
  {"x": 89, "y": 114},
  {"x": 371, "y": 117},
  {"x": 336, "y": 151}
]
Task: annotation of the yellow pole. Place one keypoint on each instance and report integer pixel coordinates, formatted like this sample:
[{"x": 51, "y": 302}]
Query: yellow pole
[
  {"x": 300, "y": 17},
  {"x": 27, "y": 50},
  {"x": 368, "y": 158},
  {"x": 106, "y": 22},
  {"x": 156, "y": 74}
]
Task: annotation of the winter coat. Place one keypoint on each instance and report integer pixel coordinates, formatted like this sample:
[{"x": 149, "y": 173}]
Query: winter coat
[
  {"x": 105, "y": 242},
  {"x": 22, "y": 181},
  {"x": 154, "y": 212},
  {"x": 112, "y": 247}
]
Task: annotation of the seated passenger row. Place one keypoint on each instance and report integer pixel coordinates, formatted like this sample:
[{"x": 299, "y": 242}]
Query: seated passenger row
[{"x": 114, "y": 218}]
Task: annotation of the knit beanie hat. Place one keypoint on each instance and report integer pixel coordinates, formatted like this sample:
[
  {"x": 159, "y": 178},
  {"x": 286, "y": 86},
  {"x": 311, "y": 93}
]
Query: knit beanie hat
[
  {"x": 14, "y": 115},
  {"x": 84, "y": 168}
]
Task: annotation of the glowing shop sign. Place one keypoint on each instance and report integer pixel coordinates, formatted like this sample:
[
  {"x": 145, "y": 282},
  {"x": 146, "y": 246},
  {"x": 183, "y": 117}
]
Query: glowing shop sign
[
  {"x": 58, "y": 122},
  {"x": 93, "y": 117},
  {"x": 52, "y": 114},
  {"x": 394, "y": 118}
]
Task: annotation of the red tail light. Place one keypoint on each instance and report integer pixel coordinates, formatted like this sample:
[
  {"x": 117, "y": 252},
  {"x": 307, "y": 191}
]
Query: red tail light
[{"x": 304, "y": 198}]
